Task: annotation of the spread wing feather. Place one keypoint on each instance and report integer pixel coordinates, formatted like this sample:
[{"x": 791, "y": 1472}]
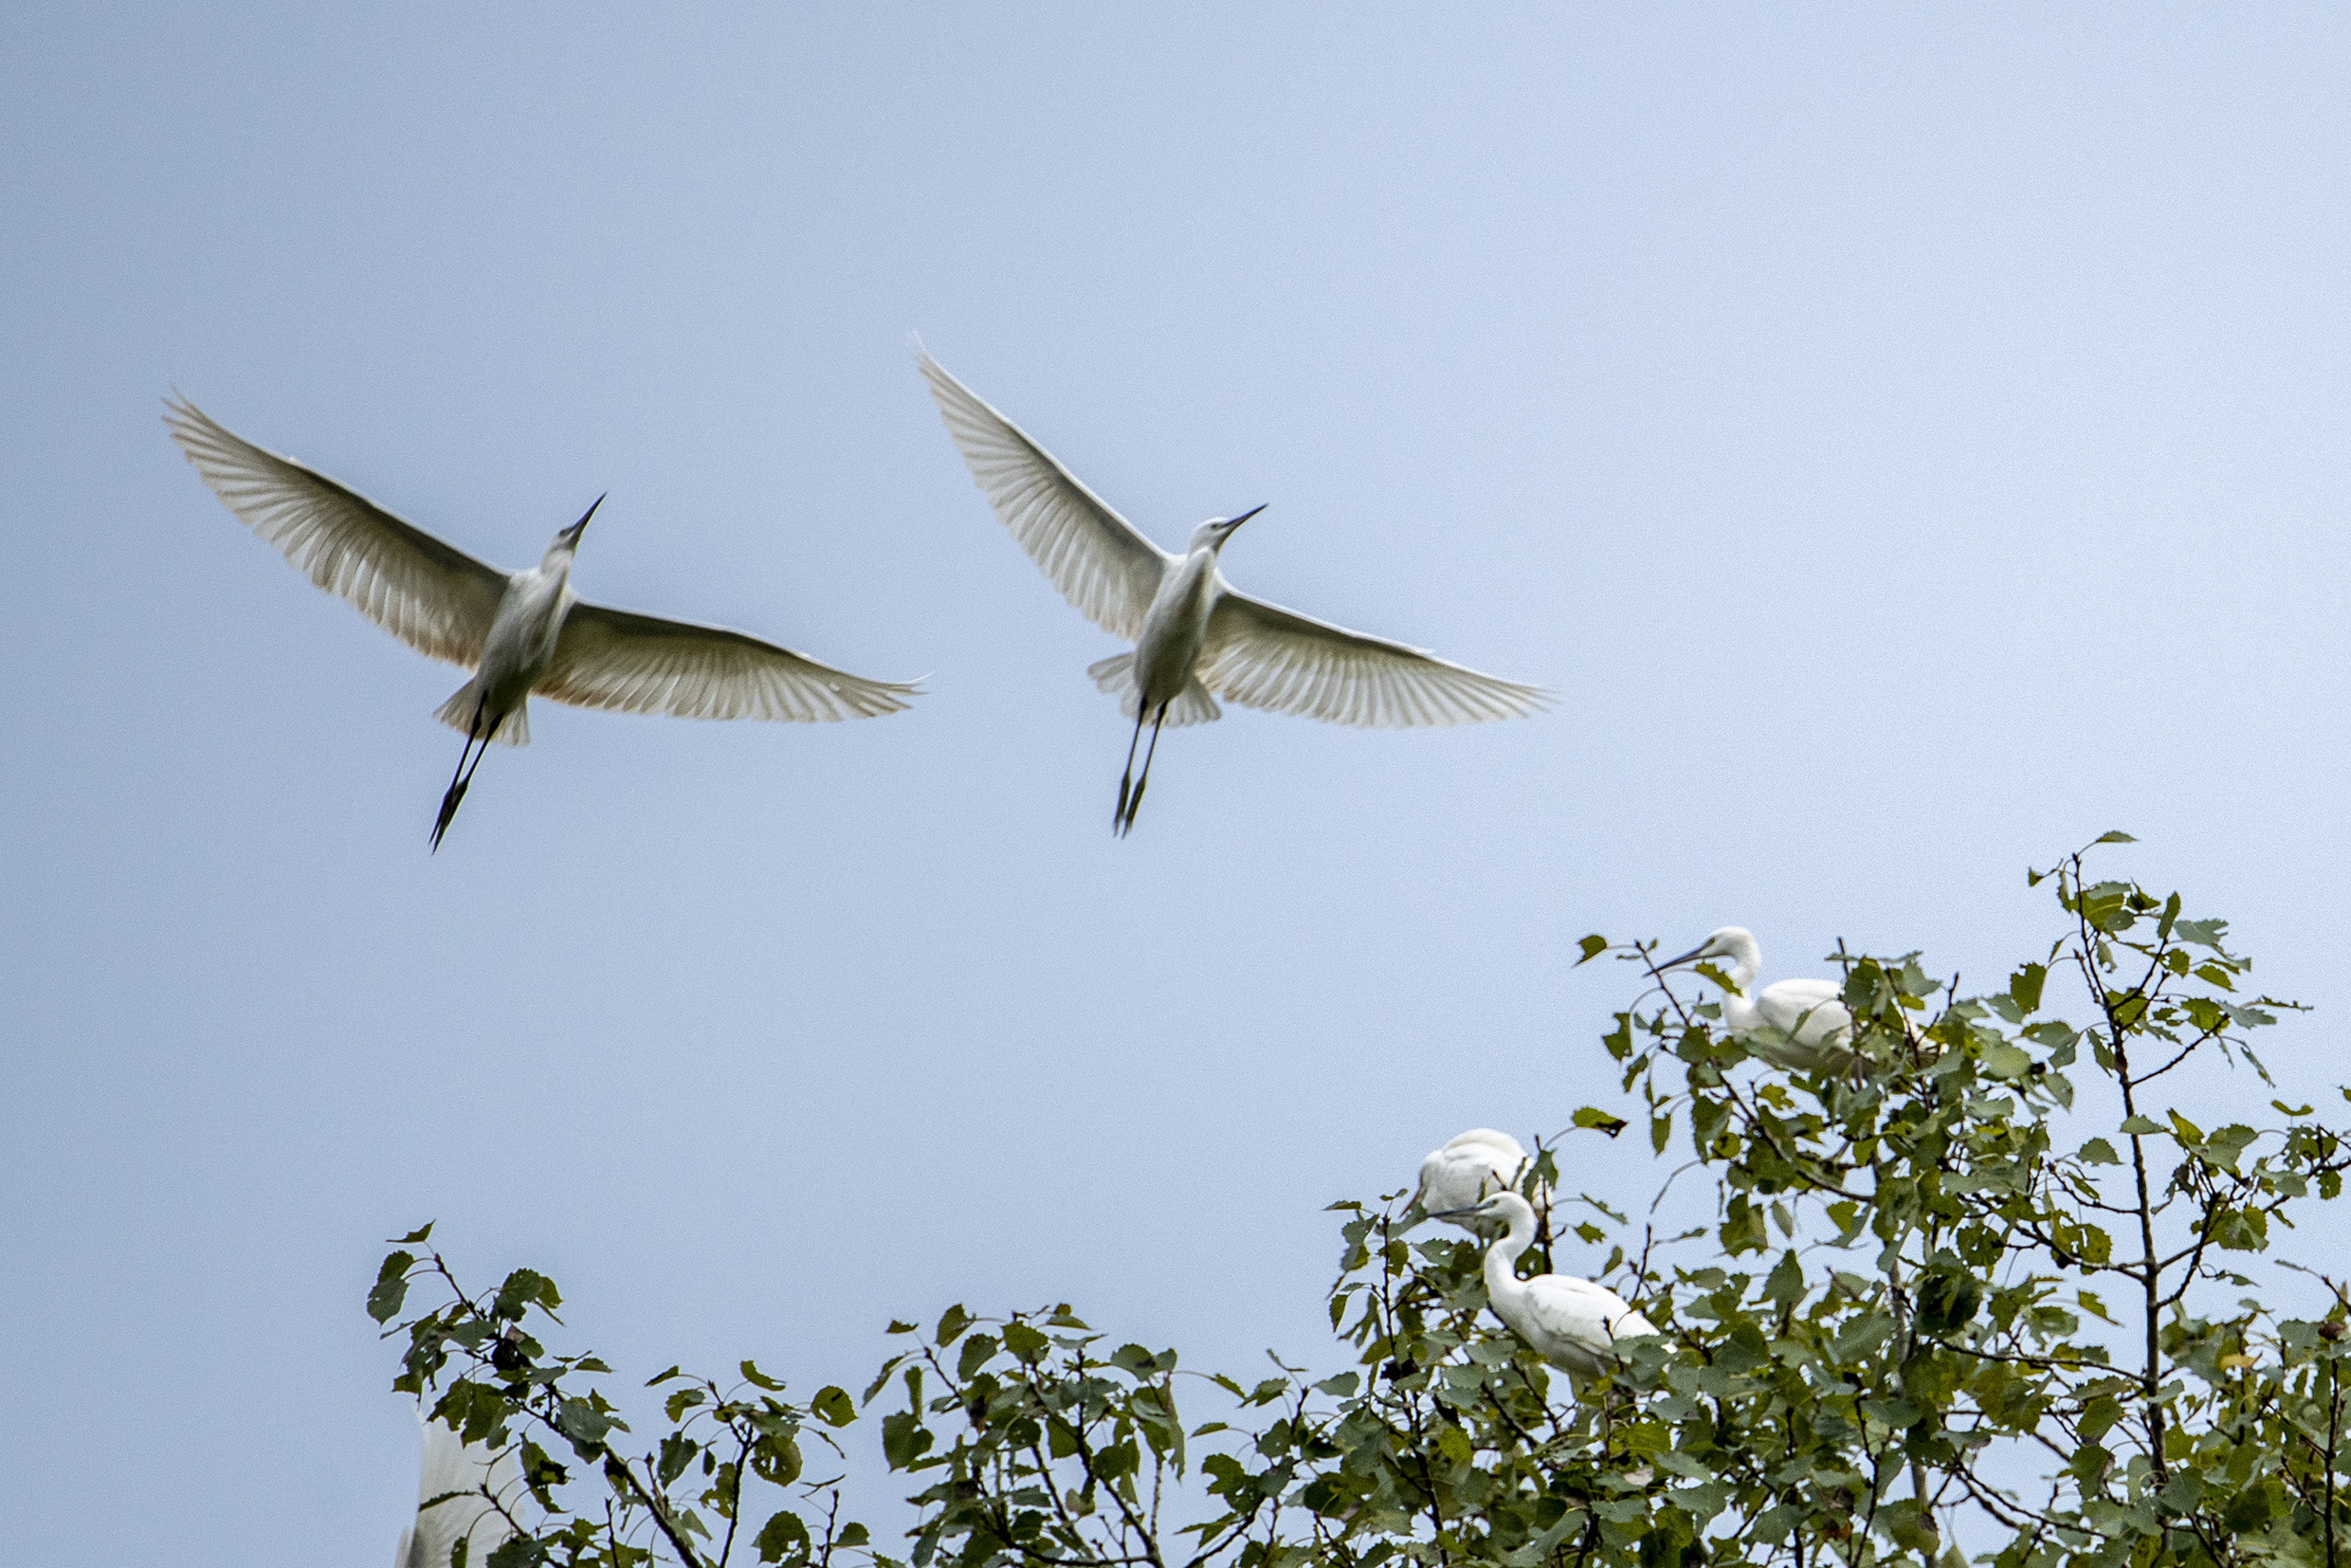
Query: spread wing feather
[
  {"x": 1098, "y": 559},
  {"x": 432, "y": 596},
  {"x": 628, "y": 662},
  {"x": 1264, "y": 656}
]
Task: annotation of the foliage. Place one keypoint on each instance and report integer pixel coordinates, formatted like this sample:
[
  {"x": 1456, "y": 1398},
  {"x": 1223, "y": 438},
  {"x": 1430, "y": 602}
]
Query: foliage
[
  {"x": 1918, "y": 1317},
  {"x": 499, "y": 1386}
]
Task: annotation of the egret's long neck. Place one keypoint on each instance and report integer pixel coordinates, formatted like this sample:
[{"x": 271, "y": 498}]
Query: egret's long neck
[
  {"x": 1739, "y": 1012},
  {"x": 1502, "y": 1285}
]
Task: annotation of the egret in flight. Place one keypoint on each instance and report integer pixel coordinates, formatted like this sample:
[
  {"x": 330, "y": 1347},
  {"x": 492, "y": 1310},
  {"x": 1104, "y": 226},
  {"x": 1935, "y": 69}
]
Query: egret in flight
[
  {"x": 520, "y": 632},
  {"x": 1195, "y": 638},
  {"x": 1573, "y": 1323},
  {"x": 1799, "y": 1024},
  {"x": 1472, "y": 1167},
  {"x": 476, "y": 1475}
]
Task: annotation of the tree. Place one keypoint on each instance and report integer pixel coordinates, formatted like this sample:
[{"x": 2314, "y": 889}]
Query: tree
[{"x": 1918, "y": 1323}]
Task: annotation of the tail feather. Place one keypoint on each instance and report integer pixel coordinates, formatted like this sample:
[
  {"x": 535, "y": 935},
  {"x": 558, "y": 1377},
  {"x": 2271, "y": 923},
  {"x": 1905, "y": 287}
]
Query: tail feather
[
  {"x": 1192, "y": 705},
  {"x": 514, "y": 729}
]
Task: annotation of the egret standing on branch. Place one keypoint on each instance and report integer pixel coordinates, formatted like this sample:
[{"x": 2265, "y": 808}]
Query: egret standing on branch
[
  {"x": 520, "y": 632},
  {"x": 1799, "y": 1024},
  {"x": 1197, "y": 639},
  {"x": 1573, "y": 1323}
]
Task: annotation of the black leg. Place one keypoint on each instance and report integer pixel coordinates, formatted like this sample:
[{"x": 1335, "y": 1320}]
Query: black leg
[
  {"x": 462, "y": 779},
  {"x": 1117, "y": 818},
  {"x": 1144, "y": 782}
]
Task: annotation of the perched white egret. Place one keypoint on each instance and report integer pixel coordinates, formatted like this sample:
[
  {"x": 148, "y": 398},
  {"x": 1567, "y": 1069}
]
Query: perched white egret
[
  {"x": 1573, "y": 1323},
  {"x": 452, "y": 1466},
  {"x": 1475, "y": 1165},
  {"x": 1195, "y": 638},
  {"x": 520, "y": 632},
  {"x": 1799, "y": 1024}
]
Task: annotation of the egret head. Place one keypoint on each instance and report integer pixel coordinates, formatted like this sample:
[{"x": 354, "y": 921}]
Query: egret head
[
  {"x": 1504, "y": 1208},
  {"x": 567, "y": 540},
  {"x": 1212, "y": 533},
  {"x": 1734, "y": 943}
]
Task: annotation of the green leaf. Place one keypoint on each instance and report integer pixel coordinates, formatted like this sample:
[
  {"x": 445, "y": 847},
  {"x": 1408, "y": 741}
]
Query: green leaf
[
  {"x": 2099, "y": 1152},
  {"x": 832, "y": 1405},
  {"x": 415, "y": 1238},
  {"x": 2024, "y": 987},
  {"x": 1786, "y": 1284},
  {"x": 897, "y": 1327},
  {"x": 2138, "y": 1127},
  {"x": 782, "y": 1535},
  {"x": 951, "y": 1326},
  {"x": 903, "y": 1438},
  {"x": 2002, "y": 1060},
  {"x": 2114, "y": 835},
  {"x": 1591, "y": 1116},
  {"x": 757, "y": 1378},
  {"x": 976, "y": 1353},
  {"x": 879, "y": 1378},
  {"x": 391, "y": 1288},
  {"x": 1593, "y": 947}
]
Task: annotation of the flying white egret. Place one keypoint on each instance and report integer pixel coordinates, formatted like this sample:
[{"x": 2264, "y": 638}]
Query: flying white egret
[
  {"x": 1195, "y": 638},
  {"x": 1573, "y": 1323},
  {"x": 1799, "y": 1024},
  {"x": 1475, "y": 1165},
  {"x": 452, "y": 1466},
  {"x": 520, "y": 632}
]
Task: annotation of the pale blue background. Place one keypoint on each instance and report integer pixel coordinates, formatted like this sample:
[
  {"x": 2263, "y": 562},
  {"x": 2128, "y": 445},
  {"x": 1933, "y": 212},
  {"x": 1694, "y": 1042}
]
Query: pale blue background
[{"x": 1913, "y": 440}]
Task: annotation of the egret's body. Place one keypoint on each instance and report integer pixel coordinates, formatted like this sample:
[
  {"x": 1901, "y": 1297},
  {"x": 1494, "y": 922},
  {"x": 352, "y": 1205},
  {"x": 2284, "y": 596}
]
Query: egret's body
[
  {"x": 522, "y": 633},
  {"x": 1196, "y": 638},
  {"x": 1471, "y": 1168},
  {"x": 1799, "y": 1024},
  {"x": 1573, "y": 1323},
  {"x": 451, "y": 1466}
]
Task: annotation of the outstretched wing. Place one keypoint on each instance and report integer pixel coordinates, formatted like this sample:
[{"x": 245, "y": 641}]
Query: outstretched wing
[
  {"x": 639, "y": 664},
  {"x": 1098, "y": 559},
  {"x": 451, "y": 1466},
  {"x": 1264, "y": 656},
  {"x": 432, "y": 596}
]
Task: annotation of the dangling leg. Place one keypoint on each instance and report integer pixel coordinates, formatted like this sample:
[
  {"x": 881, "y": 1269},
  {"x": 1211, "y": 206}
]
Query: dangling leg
[
  {"x": 462, "y": 778},
  {"x": 1140, "y": 784},
  {"x": 1117, "y": 818}
]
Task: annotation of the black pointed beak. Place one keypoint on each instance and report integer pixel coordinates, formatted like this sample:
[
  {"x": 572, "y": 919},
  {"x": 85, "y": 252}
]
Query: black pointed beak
[
  {"x": 1458, "y": 1213},
  {"x": 1237, "y": 522},
  {"x": 572, "y": 534},
  {"x": 1698, "y": 952}
]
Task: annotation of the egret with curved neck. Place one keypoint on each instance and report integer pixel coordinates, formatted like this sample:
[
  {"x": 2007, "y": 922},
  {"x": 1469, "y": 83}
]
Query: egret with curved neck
[
  {"x": 1573, "y": 1323},
  {"x": 1799, "y": 1024}
]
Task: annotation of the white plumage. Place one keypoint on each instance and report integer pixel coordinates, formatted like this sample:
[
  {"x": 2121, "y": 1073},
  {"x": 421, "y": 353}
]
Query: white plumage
[
  {"x": 1799, "y": 1024},
  {"x": 522, "y": 633},
  {"x": 1198, "y": 639},
  {"x": 1470, "y": 1168},
  {"x": 451, "y": 1466},
  {"x": 1573, "y": 1323}
]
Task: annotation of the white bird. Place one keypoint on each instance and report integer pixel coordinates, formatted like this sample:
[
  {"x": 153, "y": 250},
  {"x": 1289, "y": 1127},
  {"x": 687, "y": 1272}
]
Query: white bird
[
  {"x": 1195, "y": 638},
  {"x": 452, "y": 1466},
  {"x": 1474, "y": 1166},
  {"x": 520, "y": 632},
  {"x": 1799, "y": 1024},
  {"x": 1573, "y": 1323}
]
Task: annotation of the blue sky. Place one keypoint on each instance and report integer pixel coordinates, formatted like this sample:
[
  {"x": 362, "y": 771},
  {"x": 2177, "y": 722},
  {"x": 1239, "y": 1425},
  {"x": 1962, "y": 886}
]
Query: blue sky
[{"x": 1913, "y": 440}]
